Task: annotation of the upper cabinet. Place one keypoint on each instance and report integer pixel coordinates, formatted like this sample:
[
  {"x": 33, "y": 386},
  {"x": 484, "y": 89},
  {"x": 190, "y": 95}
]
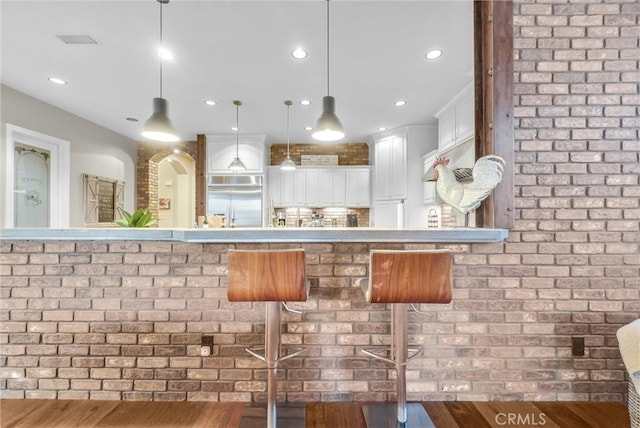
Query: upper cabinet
[
  {"x": 391, "y": 167},
  {"x": 320, "y": 187},
  {"x": 456, "y": 120},
  {"x": 358, "y": 187},
  {"x": 221, "y": 150}
]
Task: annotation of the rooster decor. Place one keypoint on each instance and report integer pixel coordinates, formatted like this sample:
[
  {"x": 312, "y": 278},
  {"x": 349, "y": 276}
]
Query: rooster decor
[{"x": 465, "y": 188}]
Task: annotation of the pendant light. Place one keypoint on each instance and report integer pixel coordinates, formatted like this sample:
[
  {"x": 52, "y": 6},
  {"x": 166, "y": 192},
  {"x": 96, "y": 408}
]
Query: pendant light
[
  {"x": 329, "y": 127},
  {"x": 288, "y": 164},
  {"x": 159, "y": 127},
  {"x": 236, "y": 164}
]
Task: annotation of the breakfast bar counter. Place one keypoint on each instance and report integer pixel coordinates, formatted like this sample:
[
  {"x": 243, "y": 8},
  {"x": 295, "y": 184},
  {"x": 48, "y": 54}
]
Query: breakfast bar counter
[{"x": 262, "y": 235}]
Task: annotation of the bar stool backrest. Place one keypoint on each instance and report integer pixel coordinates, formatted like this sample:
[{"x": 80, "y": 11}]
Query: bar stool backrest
[
  {"x": 410, "y": 276},
  {"x": 267, "y": 276}
]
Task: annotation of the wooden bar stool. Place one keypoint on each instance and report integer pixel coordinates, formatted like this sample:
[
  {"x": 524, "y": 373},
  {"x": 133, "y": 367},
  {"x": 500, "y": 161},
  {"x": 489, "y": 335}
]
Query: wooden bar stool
[
  {"x": 402, "y": 278},
  {"x": 274, "y": 277}
]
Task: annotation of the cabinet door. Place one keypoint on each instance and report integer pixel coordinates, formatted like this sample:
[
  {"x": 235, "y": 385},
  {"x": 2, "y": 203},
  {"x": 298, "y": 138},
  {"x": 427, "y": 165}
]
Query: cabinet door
[
  {"x": 275, "y": 186},
  {"x": 312, "y": 197},
  {"x": 338, "y": 185},
  {"x": 386, "y": 214},
  {"x": 325, "y": 188},
  {"x": 280, "y": 187},
  {"x": 447, "y": 129},
  {"x": 398, "y": 188},
  {"x": 465, "y": 118},
  {"x": 391, "y": 168},
  {"x": 429, "y": 187},
  {"x": 383, "y": 169},
  {"x": 331, "y": 187},
  {"x": 299, "y": 188},
  {"x": 358, "y": 188}
]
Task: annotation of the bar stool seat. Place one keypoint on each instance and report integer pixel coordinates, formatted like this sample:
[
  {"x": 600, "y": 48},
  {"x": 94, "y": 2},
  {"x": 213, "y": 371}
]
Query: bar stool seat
[
  {"x": 275, "y": 277},
  {"x": 404, "y": 278}
]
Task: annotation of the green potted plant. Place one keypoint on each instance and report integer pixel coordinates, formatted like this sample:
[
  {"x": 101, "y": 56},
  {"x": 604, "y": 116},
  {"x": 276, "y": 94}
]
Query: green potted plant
[{"x": 140, "y": 218}]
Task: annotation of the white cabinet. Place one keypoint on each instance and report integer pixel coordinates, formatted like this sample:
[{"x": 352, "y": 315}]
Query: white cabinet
[
  {"x": 221, "y": 150},
  {"x": 299, "y": 188},
  {"x": 398, "y": 174},
  {"x": 331, "y": 187},
  {"x": 465, "y": 117},
  {"x": 391, "y": 167},
  {"x": 280, "y": 187},
  {"x": 386, "y": 214},
  {"x": 447, "y": 129},
  {"x": 456, "y": 120},
  {"x": 320, "y": 187},
  {"x": 430, "y": 195},
  {"x": 358, "y": 187}
]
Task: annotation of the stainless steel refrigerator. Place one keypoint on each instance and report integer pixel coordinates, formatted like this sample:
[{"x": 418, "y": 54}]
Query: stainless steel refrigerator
[{"x": 236, "y": 197}]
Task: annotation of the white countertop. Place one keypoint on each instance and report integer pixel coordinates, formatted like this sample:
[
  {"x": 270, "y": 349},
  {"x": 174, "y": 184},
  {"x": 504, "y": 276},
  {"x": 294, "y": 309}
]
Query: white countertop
[{"x": 272, "y": 234}]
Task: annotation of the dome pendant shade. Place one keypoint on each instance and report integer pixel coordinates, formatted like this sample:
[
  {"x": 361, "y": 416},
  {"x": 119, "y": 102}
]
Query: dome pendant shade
[
  {"x": 237, "y": 165},
  {"x": 159, "y": 127},
  {"x": 288, "y": 164},
  {"x": 329, "y": 127}
]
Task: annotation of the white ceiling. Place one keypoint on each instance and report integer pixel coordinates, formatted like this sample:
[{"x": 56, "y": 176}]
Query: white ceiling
[{"x": 228, "y": 50}]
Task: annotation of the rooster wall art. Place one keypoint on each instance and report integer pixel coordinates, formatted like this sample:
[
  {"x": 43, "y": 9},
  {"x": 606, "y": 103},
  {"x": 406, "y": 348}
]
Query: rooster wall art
[{"x": 465, "y": 188}]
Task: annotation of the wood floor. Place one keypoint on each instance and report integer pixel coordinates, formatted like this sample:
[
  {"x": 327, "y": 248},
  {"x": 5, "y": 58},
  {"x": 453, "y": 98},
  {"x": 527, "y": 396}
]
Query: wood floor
[{"x": 143, "y": 414}]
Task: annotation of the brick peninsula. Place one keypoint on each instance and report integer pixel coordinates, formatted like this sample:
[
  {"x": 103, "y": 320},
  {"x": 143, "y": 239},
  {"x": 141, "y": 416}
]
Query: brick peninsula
[{"x": 122, "y": 313}]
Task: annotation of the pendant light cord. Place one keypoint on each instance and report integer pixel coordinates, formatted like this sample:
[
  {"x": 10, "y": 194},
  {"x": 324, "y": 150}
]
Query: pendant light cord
[
  {"x": 161, "y": 47},
  {"x": 237, "y": 130},
  {"x": 328, "y": 56},
  {"x": 288, "y": 105}
]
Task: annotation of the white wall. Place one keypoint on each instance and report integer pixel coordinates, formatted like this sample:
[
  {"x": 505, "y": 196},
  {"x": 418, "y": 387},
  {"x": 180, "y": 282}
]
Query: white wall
[{"x": 95, "y": 150}]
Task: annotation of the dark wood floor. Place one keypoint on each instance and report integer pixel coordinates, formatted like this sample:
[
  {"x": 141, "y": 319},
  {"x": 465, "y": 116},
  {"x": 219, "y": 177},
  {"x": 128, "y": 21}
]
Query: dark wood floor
[{"x": 142, "y": 414}]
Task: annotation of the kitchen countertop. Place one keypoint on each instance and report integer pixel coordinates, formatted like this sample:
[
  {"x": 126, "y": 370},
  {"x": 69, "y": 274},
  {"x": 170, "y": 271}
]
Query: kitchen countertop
[{"x": 271, "y": 234}]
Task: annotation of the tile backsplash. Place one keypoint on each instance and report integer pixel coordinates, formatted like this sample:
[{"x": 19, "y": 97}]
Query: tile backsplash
[{"x": 333, "y": 217}]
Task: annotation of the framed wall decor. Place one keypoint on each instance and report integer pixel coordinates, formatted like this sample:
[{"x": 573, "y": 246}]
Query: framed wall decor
[{"x": 103, "y": 200}]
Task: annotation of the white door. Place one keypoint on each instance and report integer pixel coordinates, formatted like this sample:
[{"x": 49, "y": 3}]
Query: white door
[{"x": 37, "y": 179}]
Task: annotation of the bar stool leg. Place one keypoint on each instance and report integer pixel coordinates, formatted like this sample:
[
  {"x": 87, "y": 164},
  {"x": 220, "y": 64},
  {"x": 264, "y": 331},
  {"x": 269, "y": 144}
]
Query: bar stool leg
[
  {"x": 399, "y": 324},
  {"x": 272, "y": 354}
]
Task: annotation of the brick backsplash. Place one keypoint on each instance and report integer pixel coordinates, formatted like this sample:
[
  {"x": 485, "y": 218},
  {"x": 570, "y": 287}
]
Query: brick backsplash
[
  {"x": 349, "y": 154},
  {"x": 124, "y": 320}
]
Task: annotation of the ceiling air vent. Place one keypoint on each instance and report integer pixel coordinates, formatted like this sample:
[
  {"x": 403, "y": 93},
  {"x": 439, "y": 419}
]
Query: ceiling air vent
[{"x": 76, "y": 39}]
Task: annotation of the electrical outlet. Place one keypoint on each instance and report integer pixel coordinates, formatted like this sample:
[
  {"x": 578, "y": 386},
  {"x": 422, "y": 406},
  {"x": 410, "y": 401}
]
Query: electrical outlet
[
  {"x": 206, "y": 346},
  {"x": 577, "y": 346}
]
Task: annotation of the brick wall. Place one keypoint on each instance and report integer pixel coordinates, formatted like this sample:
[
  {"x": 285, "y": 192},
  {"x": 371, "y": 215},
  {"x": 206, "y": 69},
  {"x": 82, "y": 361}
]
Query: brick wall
[
  {"x": 122, "y": 320},
  {"x": 348, "y": 153}
]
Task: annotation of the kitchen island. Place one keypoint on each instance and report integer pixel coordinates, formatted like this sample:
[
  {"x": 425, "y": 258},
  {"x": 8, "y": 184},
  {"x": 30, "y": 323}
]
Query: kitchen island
[{"x": 122, "y": 314}]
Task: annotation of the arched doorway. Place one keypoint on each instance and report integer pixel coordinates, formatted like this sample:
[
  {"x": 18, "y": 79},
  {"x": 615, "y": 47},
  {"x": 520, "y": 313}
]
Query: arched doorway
[
  {"x": 176, "y": 191},
  {"x": 176, "y": 184}
]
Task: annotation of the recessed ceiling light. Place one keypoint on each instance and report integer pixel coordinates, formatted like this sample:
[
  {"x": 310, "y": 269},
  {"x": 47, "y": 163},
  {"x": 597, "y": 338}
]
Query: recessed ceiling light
[
  {"x": 400, "y": 103},
  {"x": 299, "y": 53},
  {"x": 57, "y": 80},
  {"x": 131, "y": 119},
  {"x": 305, "y": 102},
  {"x": 210, "y": 102},
  {"x": 433, "y": 54},
  {"x": 308, "y": 128},
  {"x": 382, "y": 128},
  {"x": 233, "y": 128},
  {"x": 165, "y": 53}
]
